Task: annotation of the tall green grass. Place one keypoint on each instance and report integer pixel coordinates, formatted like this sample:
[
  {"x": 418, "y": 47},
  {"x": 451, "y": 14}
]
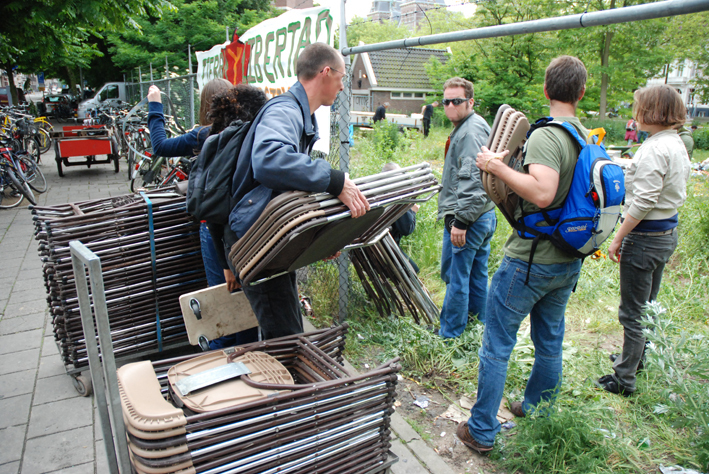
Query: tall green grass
[{"x": 590, "y": 430}]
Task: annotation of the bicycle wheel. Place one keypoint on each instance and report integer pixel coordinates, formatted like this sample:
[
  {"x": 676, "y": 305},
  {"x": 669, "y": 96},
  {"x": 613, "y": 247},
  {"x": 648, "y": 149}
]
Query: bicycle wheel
[
  {"x": 45, "y": 141},
  {"x": 138, "y": 180},
  {"x": 10, "y": 196},
  {"x": 33, "y": 173},
  {"x": 32, "y": 147},
  {"x": 21, "y": 185}
]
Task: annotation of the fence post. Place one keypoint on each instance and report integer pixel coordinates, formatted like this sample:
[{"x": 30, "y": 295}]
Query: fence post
[
  {"x": 189, "y": 62},
  {"x": 167, "y": 76},
  {"x": 344, "y": 131},
  {"x": 140, "y": 82}
]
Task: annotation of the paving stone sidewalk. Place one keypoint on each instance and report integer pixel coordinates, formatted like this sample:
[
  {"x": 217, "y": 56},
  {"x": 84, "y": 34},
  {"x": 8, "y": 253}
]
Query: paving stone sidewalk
[{"x": 45, "y": 426}]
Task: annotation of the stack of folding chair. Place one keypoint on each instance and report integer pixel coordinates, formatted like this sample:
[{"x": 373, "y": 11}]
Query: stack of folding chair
[
  {"x": 391, "y": 283},
  {"x": 296, "y": 228},
  {"x": 509, "y": 132},
  {"x": 150, "y": 255},
  {"x": 284, "y": 405}
]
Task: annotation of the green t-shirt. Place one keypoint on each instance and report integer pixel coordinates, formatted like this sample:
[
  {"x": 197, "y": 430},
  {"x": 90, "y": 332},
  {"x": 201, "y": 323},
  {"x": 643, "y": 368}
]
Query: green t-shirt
[{"x": 553, "y": 147}]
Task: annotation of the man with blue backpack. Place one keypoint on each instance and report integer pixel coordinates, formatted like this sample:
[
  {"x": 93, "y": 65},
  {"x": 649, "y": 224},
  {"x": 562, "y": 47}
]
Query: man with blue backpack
[{"x": 538, "y": 285}]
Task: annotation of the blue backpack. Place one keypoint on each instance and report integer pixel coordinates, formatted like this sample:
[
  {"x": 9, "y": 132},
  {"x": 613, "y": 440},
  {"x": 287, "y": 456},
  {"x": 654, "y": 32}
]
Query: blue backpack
[{"x": 591, "y": 209}]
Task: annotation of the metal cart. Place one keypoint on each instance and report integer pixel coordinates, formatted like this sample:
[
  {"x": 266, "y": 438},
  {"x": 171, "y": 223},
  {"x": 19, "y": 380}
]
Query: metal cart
[{"x": 86, "y": 141}]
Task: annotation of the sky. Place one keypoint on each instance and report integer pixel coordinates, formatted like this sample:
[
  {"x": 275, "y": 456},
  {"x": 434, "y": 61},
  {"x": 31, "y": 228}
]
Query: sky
[{"x": 360, "y": 8}]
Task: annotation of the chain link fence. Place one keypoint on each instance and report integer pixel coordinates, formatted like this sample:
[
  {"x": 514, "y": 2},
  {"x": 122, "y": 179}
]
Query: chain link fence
[{"x": 182, "y": 91}]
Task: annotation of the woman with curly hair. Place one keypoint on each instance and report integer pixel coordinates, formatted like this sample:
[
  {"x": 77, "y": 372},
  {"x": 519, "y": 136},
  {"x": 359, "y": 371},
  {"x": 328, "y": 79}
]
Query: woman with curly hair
[{"x": 241, "y": 102}]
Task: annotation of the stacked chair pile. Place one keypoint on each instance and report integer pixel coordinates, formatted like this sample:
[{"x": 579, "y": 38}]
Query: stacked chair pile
[
  {"x": 285, "y": 405},
  {"x": 297, "y": 228},
  {"x": 391, "y": 283},
  {"x": 146, "y": 267},
  {"x": 509, "y": 132}
]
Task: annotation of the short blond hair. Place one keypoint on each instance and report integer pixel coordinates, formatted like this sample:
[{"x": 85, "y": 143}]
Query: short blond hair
[{"x": 659, "y": 105}]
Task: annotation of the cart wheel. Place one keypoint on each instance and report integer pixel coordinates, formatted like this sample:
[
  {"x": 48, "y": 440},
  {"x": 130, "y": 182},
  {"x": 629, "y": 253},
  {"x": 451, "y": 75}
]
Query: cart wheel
[
  {"x": 115, "y": 163},
  {"x": 59, "y": 168},
  {"x": 83, "y": 385}
]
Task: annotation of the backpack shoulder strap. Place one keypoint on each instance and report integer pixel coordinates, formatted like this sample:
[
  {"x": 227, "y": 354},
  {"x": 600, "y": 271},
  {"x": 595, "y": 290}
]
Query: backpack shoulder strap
[{"x": 570, "y": 129}]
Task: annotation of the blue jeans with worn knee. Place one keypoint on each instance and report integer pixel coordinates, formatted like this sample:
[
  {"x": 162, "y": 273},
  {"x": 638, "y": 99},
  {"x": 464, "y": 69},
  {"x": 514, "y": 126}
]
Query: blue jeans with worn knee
[
  {"x": 544, "y": 299},
  {"x": 464, "y": 270}
]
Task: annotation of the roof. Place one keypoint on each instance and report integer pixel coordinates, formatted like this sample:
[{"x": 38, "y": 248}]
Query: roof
[{"x": 404, "y": 68}]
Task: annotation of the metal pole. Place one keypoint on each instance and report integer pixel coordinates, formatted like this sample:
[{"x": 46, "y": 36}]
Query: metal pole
[
  {"x": 151, "y": 74},
  {"x": 103, "y": 376},
  {"x": 167, "y": 76},
  {"x": 189, "y": 61},
  {"x": 343, "y": 260},
  {"x": 140, "y": 82},
  {"x": 583, "y": 20},
  {"x": 227, "y": 34}
]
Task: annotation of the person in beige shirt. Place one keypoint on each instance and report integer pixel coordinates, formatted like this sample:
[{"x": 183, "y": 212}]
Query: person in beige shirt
[{"x": 655, "y": 188}]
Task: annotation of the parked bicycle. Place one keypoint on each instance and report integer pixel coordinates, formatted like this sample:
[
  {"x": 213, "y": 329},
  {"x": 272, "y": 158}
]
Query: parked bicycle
[{"x": 14, "y": 185}]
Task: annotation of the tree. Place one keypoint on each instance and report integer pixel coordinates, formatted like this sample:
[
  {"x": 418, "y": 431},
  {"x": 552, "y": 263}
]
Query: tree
[
  {"x": 52, "y": 34},
  {"x": 370, "y": 32},
  {"x": 619, "y": 58},
  {"x": 200, "y": 23},
  {"x": 690, "y": 40}
]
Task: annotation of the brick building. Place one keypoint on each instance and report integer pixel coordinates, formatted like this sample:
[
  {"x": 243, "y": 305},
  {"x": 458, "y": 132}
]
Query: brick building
[{"x": 396, "y": 76}]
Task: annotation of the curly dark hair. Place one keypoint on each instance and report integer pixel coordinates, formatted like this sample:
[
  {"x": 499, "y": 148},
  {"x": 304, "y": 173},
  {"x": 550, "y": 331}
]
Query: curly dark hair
[{"x": 241, "y": 102}]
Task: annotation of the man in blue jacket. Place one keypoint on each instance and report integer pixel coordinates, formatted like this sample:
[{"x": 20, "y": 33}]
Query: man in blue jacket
[
  {"x": 274, "y": 158},
  {"x": 467, "y": 211}
]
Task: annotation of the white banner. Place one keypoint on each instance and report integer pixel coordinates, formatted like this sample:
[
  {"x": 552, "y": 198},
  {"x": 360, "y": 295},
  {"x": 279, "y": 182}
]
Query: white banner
[
  {"x": 275, "y": 46},
  {"x": 210, "y": 64}
]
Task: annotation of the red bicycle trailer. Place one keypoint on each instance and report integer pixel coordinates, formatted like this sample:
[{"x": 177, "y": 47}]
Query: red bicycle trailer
[{"x": 86, "y": 141}]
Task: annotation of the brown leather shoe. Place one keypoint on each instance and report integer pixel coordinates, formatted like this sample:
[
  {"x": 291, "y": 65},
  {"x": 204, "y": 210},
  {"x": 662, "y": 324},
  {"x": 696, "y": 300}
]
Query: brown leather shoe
[
  {"x": 467, "y": 439},
  {"x": 516, "y": 409}
]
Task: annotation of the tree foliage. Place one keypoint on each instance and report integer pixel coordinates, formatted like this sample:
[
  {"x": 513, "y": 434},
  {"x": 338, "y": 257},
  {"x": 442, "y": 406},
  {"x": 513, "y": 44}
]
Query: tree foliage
[
  {"x": 53, "y": 35},
  {"x": 201, "y": 23}
]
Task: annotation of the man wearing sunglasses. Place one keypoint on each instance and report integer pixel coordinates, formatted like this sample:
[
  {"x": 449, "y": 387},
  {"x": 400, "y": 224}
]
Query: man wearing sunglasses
[
  {"x": 467, "y": 211},
  {"x": 274, "y": 158}
]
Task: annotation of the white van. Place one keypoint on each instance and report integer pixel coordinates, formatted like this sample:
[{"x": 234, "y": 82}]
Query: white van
[{"x": 111, "y": 93}]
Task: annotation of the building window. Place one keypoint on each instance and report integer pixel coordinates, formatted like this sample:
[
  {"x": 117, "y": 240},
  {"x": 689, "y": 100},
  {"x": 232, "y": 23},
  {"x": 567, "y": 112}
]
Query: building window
[{"x": 408, "y": 95}]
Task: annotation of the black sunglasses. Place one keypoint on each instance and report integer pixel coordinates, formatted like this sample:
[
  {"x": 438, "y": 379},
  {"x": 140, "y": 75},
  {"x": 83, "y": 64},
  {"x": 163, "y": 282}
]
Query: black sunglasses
[{"x": 457, "y": 101}]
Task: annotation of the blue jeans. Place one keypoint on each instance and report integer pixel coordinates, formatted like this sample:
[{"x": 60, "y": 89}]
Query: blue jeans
[
  {"x": 464, "y": 270},
  {"x": 215, "y": 274},
  {"x": 544, "y": 299}
]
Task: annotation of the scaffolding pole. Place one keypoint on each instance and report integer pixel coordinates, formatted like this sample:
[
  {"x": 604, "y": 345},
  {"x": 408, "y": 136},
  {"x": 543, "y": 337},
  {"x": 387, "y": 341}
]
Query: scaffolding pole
[{"x": 582, "y": 20}]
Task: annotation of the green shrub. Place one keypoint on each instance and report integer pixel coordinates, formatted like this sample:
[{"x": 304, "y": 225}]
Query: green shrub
[
  {"x": 701, "y": 138},
  {"x": 615, "y": 129},
  {"x": 385, "y": 138}
]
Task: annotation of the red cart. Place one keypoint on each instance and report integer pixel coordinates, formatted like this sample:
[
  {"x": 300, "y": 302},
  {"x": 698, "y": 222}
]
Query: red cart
[{"x": 86, "y": 141}]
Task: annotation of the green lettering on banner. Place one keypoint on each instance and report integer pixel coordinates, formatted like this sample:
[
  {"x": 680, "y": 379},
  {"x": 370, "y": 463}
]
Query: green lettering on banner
[
  {"x": 327, "y": 18},
  {"x": 250, "y": 79},
  {"x": 292, "y": 28},
  {"x": 204, "y": 68},
  {"x": 267, "y": 59},
  {"x": 256, "y": 56},
  {"x": 277, "y": 63},
  {"x": 304, "y": 41}
]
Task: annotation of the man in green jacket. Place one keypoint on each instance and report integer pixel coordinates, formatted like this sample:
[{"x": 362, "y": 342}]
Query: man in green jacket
[{"x": 467, "y": 211}]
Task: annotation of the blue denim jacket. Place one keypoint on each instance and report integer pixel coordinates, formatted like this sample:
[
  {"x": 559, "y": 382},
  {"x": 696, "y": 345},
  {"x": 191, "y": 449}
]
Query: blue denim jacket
[{"x": 275, "y": 158}]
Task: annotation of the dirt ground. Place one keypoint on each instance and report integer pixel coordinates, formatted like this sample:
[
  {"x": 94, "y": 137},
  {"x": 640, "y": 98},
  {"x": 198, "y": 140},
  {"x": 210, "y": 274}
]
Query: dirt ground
[{"x": 437, "y": 422}]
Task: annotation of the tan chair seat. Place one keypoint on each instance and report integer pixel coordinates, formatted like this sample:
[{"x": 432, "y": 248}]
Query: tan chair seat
[
  {"x": 144, "y": 407},
  {"x": 263, "y": 367}
]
